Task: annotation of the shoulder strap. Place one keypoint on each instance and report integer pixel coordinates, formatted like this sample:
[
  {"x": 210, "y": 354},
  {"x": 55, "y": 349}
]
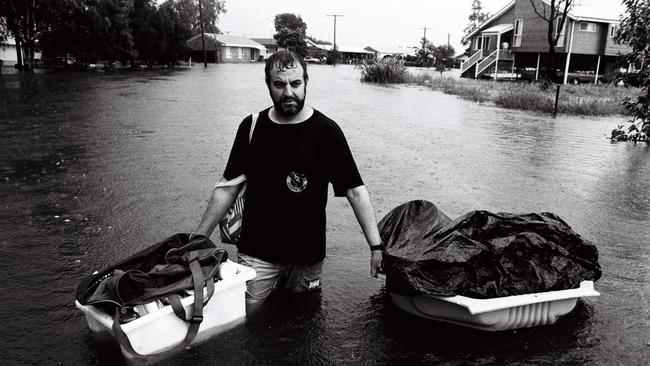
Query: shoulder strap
[{"x": 253, "y": 122}]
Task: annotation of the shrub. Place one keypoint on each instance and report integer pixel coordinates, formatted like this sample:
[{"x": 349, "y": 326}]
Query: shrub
[{"x": 387, "y": 70}]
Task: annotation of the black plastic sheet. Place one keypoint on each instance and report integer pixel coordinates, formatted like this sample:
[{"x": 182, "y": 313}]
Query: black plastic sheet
[{"x": 482, "y": 254}]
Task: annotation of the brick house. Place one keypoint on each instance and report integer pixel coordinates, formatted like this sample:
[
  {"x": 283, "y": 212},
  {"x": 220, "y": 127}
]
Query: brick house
[
  {"x": 513, "y": 42},
  {"x": 225, "y": 48}
]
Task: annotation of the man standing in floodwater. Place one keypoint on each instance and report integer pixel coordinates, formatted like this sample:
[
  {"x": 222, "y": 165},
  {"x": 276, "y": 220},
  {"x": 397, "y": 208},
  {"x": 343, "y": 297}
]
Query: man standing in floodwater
[{"x": 294, "y": 153}]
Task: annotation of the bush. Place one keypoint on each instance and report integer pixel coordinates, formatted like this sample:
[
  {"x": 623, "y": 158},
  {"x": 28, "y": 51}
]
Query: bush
[{"x": 387, "y": 70}]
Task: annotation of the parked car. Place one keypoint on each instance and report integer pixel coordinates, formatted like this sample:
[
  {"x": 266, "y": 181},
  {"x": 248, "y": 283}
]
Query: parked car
[
  {"x": 573, "y": 77},
  {"x": 582, "y": 77},
  {"x": 311, "y": 60}
]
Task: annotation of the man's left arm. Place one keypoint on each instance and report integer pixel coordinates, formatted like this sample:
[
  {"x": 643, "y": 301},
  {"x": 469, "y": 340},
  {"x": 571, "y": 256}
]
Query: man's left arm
[{"x": 360, "y": 201}]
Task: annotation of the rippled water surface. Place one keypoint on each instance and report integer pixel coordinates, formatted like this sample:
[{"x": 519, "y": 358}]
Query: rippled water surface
[{"x": 94, "y": 167}]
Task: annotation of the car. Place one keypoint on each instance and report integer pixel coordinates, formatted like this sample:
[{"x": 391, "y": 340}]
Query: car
[
  {"x": 581, "y": 77},
  {"x": 573, "y": 77},
  {"x": 311, "y": 60}
]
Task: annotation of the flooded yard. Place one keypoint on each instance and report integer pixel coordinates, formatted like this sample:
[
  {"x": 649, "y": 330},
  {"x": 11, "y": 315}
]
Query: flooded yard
[{"x": 96, "y": 166}]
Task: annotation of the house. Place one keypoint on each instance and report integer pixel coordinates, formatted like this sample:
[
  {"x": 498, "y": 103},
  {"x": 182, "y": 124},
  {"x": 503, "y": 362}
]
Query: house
[
  {"x": 225, "y": 48},
  {"x": 8, "y": 52},
  {"x": 351, "y": 54},
  {"x": 399, "y": 52},
  {"x": 316, "y": 50},
  {"x": 271, "y": 46},
  {"x": 515, "y": 39}
]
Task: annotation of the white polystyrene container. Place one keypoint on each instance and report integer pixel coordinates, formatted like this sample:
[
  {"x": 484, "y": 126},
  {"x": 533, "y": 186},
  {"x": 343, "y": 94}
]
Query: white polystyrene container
[
  {"x": 499, "y": 313},
  {"x": 162, "y": 329}
]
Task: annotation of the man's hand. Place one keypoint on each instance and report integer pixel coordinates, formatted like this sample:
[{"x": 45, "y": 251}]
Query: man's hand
[{"x": 375, "y": 262}]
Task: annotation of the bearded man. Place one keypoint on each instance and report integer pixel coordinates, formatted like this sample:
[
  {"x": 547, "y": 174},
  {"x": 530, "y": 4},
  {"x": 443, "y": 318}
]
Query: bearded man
[{"x": 289, "y": 154}]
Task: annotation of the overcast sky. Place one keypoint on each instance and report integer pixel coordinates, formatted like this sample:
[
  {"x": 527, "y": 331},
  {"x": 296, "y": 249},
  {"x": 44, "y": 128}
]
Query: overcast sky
[{"x": 381, "y": 24}]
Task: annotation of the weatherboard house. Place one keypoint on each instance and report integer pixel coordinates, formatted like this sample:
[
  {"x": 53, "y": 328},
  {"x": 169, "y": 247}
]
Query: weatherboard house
[
  {"x": 225, "y": 48},
  {"x": 515, "y": 39}
]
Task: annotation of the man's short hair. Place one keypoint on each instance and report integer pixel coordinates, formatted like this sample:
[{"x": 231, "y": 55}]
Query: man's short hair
[{"x": 284, "y": 60}]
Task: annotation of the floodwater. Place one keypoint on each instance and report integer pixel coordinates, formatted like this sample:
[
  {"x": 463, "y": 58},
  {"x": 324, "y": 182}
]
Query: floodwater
[{"x": 94, "y": 167}]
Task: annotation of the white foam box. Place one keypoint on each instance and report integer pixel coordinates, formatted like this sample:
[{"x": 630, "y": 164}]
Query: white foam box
[
  {"x": 162, "y": 329},
  {"x": 501, "y": 313}
]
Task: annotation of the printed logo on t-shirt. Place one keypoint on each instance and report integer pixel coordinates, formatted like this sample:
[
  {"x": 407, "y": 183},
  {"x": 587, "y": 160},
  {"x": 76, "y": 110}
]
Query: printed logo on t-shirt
[{"x": 297, "y": 182}]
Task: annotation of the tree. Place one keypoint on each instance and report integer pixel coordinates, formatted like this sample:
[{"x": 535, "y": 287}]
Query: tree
[
  {"x": 173, "y": 34},
  {"x": 555, "y": 16},
  {"x": 22, "y": 20},
  {"x": 105, "y": 30},
  {"x": 444, "y": 58},
  {"x": 116, "y": 29},
  {"x": 4, "y": 32},
  {"x": 188, "y": 12},
  {"x": 291, "y": 33},
  {"x": 476, "y": 18},
  {"x": 425, "y": 55},
  {"x": 72, "y": 30},
  {"x": 634, "y": 32}
]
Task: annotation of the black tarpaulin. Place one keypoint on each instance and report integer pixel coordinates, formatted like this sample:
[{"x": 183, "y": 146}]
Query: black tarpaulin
[{"x": 482, "y": 254}]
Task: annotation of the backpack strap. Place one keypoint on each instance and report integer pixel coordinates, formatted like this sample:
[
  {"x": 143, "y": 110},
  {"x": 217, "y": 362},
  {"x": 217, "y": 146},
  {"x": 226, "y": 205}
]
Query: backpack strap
[{"x": 253, "y": 122}]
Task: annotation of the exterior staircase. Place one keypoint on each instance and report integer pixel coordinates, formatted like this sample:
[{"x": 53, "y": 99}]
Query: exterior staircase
[
  {"x": 476, "y": 57},
  {"x": 484, "y": 66}
]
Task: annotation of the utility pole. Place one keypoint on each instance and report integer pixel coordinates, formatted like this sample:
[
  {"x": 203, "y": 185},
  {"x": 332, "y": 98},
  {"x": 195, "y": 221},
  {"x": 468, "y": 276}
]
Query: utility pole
[
  {"x": 334, "y": 49},
  {"x": 205, "y": 54},
  {"x": 424, "y": 39}
]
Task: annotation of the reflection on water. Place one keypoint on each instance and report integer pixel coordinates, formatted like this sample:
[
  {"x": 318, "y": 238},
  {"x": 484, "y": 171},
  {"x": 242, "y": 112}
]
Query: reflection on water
[{"x": 98, "y": 166}]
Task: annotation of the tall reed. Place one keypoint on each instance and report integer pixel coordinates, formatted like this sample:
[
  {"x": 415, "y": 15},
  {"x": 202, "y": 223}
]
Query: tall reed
[{"x": 387, "y": 70}]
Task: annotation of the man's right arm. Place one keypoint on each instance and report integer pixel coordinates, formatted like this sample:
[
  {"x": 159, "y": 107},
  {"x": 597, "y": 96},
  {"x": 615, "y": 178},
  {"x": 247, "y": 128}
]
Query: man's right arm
[{"x": 221, "y": 200}]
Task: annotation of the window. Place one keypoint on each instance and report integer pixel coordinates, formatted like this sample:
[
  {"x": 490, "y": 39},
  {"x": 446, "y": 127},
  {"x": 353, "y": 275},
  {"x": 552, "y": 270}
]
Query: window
[
  {"x": 519, "y": 28},
  {"x": 240, "y": 52},
  {"x": 486, "y": 42},
  {"x": 587, "y": 27},
  {"x": 228, "y": 54},
  {"x": 613, "y": 29},
  {"x": 477, "y": 43},
  {"x": 560, "y": 40}
]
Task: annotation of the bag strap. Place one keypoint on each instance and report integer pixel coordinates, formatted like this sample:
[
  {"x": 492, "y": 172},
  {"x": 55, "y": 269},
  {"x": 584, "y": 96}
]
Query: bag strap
[
  {"x": 194, "y": 322},
  {"x": 253, "y": 122}
]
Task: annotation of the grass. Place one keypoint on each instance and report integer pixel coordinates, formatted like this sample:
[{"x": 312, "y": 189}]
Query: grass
[
  {"x": 591, "y": 100},
  {"x": 383, "y": 71}
]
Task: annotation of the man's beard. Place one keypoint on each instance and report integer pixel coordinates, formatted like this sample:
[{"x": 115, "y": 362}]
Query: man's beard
[{"x": 290, "y": 110}]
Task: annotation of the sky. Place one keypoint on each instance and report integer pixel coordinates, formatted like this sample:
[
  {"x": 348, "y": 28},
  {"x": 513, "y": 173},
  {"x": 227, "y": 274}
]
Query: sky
[{"x": 383, "y": 25}]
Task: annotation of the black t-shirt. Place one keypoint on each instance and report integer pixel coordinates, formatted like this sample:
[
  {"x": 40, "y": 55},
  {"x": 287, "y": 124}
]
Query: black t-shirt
[{"x": 289, "y": 168}]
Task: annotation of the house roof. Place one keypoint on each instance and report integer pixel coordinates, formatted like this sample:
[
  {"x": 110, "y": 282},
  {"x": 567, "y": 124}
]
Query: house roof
[
  {"x": 231, "y": 41},
  {"x": 490, "y": 19},
  {"x": 399, "y": 51},
  {"x": 498, "y": 29},
  {"x": 312, "y": 44},
  {"x": 606, "y": 11},
  {"x": 266, "y": 41},
  {"x": 347, "y": 49},
  {"x": 598, "y": 10}
]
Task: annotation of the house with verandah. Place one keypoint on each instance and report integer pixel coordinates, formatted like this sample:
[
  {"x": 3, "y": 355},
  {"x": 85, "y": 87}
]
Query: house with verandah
[
  {"x": 514, "y": 40},
  {"x": 225, "y": 48}
]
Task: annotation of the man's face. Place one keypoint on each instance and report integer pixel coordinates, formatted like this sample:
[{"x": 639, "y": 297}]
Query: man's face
[{"x": 287, "y": 88}]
